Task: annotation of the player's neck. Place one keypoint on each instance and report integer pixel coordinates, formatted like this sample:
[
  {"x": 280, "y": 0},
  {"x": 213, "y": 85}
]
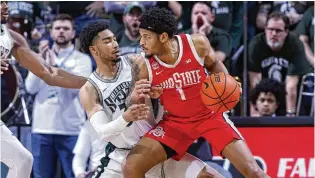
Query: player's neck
[
  {"x": 107, "y": 69},
  {"x": 169, "y": 52}
]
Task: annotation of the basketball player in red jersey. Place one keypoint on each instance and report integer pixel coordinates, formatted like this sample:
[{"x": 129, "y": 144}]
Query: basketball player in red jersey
[{"x": 176, "y": 63}]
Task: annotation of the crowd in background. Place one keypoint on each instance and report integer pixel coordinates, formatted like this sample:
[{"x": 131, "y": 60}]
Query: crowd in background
[{"x": 276, "y": 38}]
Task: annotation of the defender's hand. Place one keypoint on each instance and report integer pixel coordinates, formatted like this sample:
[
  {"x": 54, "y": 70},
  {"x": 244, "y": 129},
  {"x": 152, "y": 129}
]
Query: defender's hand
[
  {"x": 156, "y": 92},
  {"x": 141, "y": 90},
  {"x": 136, "y": 112}
]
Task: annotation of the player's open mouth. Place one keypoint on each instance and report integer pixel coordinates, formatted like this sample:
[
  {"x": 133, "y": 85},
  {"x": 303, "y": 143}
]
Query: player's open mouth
[{"x": 117, "y": 52}]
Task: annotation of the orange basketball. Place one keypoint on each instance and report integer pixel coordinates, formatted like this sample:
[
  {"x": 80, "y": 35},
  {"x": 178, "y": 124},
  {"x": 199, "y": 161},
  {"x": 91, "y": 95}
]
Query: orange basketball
[{"x": 220, "y": 92}]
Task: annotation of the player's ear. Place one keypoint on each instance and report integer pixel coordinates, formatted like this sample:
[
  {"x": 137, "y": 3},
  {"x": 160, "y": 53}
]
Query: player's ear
[
  {"x": 163, "y": 37},
  {"x": 93, "y": 50}
]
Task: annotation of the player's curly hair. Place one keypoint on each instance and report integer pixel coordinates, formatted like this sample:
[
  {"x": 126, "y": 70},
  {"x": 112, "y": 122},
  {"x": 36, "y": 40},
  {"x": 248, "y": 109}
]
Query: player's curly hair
[
  {"x": 89, "y": 32},
  {"x": 268, "y": 85},
  {"x": 159, "y": 20}
]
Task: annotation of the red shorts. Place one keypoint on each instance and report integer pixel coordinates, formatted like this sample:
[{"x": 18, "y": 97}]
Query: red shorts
[{"x": 217, "y": 129}]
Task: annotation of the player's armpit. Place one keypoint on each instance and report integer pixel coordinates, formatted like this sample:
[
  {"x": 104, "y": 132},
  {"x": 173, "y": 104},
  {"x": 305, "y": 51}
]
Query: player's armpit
[
  {"x": 37, "y": 65},
  {"x": 207, "y": 54}
]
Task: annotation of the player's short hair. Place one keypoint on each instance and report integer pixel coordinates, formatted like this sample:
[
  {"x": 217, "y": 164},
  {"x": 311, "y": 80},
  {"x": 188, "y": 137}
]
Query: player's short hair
[
  {"x": 64, "y": 17},
  {"x": 89, "y": 32},
  {"x": 268, "y": 86},
  {"x": 279, "y": 15},
  {"x": 159, "y": 20}
]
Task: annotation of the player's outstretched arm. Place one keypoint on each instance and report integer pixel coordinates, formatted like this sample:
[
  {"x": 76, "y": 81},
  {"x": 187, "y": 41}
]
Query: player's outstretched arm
[
  {"x": 207, "y": 54},
  {"x": 37, "y": 65},
  {"x": 107, "y": 129}
]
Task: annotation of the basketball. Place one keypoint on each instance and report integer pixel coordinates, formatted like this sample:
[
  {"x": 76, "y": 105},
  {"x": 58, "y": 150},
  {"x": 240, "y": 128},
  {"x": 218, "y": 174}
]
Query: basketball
[{"x": 220, "y": 92}]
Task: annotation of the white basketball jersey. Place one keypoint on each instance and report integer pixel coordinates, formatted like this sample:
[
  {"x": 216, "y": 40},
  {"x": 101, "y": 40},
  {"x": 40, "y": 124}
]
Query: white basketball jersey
[
  {"x": 113, "y": 94},
  {"x": 6, "y": 42}
]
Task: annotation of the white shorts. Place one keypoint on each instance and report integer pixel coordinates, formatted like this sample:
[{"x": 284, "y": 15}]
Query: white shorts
[
  {"x": 13, "y": 154},
  {"x": 188, "y": 167}
]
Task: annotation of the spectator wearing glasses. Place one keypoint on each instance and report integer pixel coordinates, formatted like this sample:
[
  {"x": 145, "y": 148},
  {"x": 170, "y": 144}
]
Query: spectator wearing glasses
[{"x": 277, "y": 54}]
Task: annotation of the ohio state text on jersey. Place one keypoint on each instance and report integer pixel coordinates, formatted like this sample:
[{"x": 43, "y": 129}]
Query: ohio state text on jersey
[{"x": 181, "y": 81}]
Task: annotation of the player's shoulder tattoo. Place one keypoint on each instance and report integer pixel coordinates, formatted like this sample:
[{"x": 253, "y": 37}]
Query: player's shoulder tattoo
[{"x": 135, "y": 60}]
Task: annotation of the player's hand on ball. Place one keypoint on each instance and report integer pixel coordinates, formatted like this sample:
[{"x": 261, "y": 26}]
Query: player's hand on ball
[
  {"x": 156, "y": 92},
  {"x": 136, "y": 112},
  {"x": 141, "y": 90}
]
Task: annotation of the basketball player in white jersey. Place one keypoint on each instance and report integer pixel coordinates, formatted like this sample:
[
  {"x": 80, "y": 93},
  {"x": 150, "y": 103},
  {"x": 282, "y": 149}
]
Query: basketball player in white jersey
[
  {"x": 13, "y": 154},
  {"x": 104, "y": 97}
]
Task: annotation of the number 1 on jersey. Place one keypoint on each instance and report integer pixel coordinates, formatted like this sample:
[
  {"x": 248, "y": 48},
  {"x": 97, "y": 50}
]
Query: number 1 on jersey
[{"x": 181, "y": 93}]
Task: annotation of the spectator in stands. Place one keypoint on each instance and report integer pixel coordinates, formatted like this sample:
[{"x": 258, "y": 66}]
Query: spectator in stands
[
  {"x": 116, "y": 9},
  {"x": 294, "y": 10},
  {"x": 277, "y": 54},
  {"x": 129, "y": 38},
  {"x": 87, "y": 153},
  {"x": 57, "y": 113},
  {"x": 201, "y": 19},
  {"x": 268, "y": 98},
  {"x": 229, "y": 17},
  {"x": 305, "y": 30}
]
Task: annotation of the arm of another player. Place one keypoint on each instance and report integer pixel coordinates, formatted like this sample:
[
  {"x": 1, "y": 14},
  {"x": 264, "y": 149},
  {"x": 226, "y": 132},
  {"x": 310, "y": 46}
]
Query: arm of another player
[
  {"x": 138, "y": 72},
  {"x": 33, "y": 62},
  {"x": 140, "y": 86},
  {"x": 81, "y": 151},
  {"x": 105, "y": 128},
  {"x": 205, "y": 52},
  {"x": 308, "y": 52}
]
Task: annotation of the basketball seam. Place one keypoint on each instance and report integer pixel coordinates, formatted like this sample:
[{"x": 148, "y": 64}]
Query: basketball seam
[
  {"x": 218, "y": 93},
  {"x": 223, "y": 98},
  {"x": 224, "y": 86}
]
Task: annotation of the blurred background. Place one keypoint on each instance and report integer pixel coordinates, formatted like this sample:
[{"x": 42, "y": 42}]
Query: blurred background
[{"x": 273, "y": 60}]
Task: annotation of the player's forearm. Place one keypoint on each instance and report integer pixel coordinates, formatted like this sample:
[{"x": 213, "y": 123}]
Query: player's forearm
[
  {"x": 107, "y": 130},
  {"x": 79, "y": 164},
  {"x": 218, "y": 67},
  {"x": 61, "y": 78},
  {"x": 220, "y": 55},
  {"x": 51, "y": 75}
]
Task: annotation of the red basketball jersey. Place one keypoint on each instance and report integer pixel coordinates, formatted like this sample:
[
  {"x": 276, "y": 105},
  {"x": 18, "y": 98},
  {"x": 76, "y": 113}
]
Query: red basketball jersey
[{"x": 181, "y": 82}]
